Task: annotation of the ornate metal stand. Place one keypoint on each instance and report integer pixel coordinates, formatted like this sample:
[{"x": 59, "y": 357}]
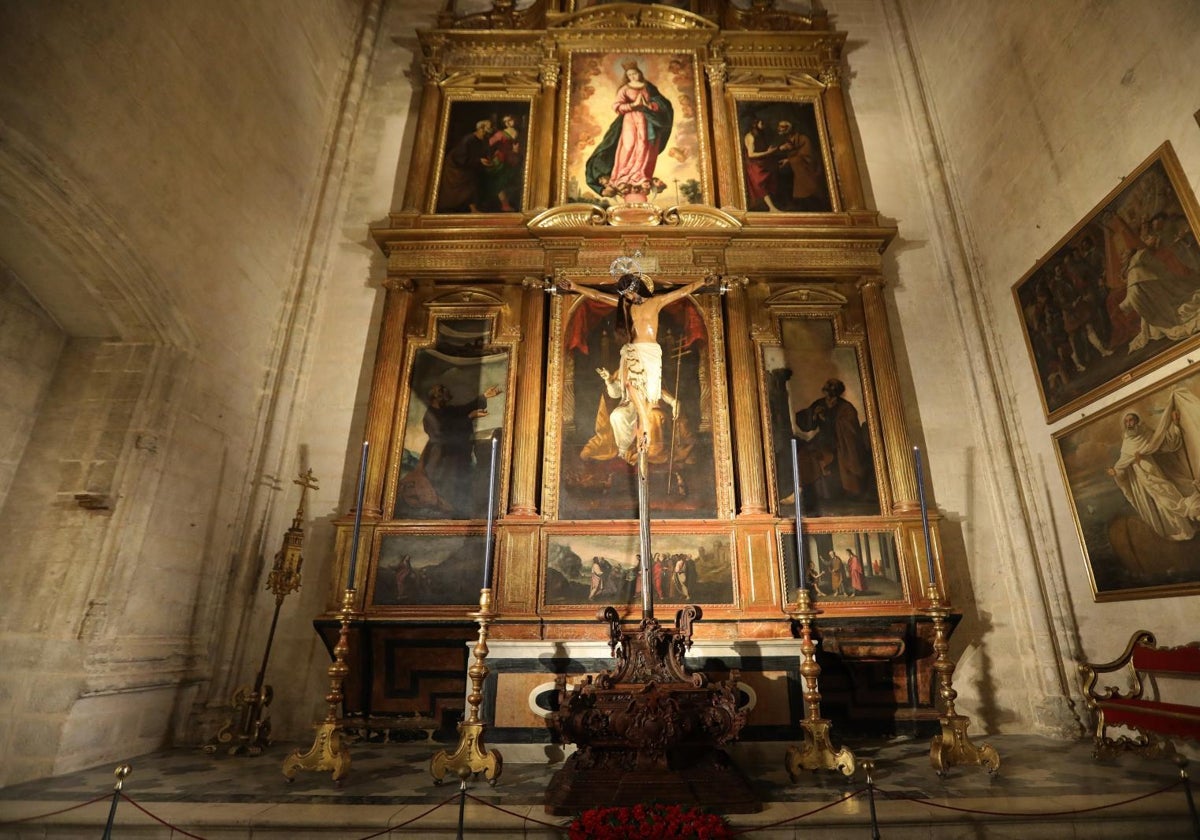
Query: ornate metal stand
[
  {"x": 329, "y": 752},
  {"x": 649, "y": 730},
  {"x": 472, "y": 756},
  {"x": 248, "y": 729},
  {"x": 952, "y": 746},
  {"x": 817, "y": 753}
]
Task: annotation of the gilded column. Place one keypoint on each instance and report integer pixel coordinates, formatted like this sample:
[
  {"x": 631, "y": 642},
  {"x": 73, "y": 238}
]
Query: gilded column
[
  {"x": 385, "y": 382},
  {"x": 420, "y": 170},
  {"x": 842, "y": 139},
  {"x": 887, "y": 388},
  {"x": 716, "y": 71},
  {"x": 530, "y": 410},
  {"x": 539, "y": 182},
  {"x": 744, "y": 403}
]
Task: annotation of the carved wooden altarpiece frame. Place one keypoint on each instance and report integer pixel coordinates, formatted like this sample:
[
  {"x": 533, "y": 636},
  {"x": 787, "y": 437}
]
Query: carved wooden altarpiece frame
[{"x": 773, "y": 266}]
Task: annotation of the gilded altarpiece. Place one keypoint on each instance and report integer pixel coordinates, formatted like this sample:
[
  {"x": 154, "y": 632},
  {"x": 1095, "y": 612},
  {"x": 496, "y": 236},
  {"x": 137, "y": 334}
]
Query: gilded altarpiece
[{"x": 630, "y": 122}]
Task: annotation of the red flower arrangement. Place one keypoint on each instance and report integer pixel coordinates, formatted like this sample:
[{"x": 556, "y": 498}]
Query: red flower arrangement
[{"x": 649, "y": 822}]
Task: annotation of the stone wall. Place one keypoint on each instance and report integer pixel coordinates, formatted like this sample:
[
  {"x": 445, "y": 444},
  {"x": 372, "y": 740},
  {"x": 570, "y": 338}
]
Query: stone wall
[
  {"x": 1037, "y": 115},
  {"x": 30, "y": 343}
]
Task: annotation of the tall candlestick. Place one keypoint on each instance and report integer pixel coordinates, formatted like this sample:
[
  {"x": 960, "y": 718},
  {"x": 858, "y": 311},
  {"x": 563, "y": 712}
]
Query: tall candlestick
[
  {"x": 924, "y": 514},
  {"x": 358, "y": 506},
  {"x": 803, "y": 576},
  {"x": 489, "y": 547}
]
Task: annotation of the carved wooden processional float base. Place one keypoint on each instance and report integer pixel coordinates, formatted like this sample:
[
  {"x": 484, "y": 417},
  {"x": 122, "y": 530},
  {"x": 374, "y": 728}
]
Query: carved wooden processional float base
[{"x": 649, "y": 731}]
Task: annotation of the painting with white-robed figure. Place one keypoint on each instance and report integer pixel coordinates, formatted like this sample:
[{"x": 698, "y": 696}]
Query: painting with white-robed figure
[{"x": 1133, "y": 474}]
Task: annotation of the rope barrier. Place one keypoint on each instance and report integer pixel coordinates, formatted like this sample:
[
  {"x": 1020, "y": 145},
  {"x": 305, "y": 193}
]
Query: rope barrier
[
  {"x": 99, "y": 798},
  {"x": 798, "y": 817},
  {"x": 893, "y": 796},
  {"x": 1070, "y": 812},
  {"x": 525, "y": 817}
]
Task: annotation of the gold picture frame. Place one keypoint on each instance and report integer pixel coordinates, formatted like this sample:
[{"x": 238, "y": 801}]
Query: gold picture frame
[
  {"x": 1132, "y": 491},
  {"x": 1119, "y": 295},
  {"x": 665, "y": 160}
]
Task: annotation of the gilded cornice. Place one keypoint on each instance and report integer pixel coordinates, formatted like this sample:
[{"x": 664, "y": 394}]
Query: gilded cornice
[{"x": 631, "y": 16}]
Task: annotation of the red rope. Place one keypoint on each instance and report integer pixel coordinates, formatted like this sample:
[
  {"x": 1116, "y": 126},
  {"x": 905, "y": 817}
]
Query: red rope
[
  {"x": 836, "y": 802},
  {"x": 420, "y": 816},
  {"x": 856, "y": 793},
  {"x": 525, "y": 817},
  {"x": 933, "y": 804},
  {"x": 56, "y": 813},
  {"x": 160, "y": 820}
]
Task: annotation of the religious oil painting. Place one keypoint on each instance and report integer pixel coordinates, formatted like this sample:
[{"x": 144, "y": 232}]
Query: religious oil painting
[
  {"x": 428, "y": 570},
  {"x": 456, "y": 400},
  {"x": 815, "y": 396},
  {"x": 1120, "y": 294},
  {"x": 482, "y": 162},
  {"x": 1133, "y": 477},
  {"x": 600, "y": 569},
  {"x": 599, "y": 420},
  {"x": 784, "y": 169},
  {"x": 844, "y": 568},
  {"x": 634, "y": 132}
]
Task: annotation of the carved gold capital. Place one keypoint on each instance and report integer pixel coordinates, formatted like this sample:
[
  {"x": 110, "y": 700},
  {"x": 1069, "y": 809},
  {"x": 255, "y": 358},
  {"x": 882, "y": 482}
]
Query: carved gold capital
[
  {"x": 399, "y": 284},
  {"x": 717, "y": 73},
  {"x": 831, "y": 75}
]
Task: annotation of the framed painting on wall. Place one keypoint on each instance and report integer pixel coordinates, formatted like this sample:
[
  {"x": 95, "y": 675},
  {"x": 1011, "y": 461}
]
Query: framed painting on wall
[
  {"x": 456, "y": 397},
  {"x": 1119, "y": 295},
  {"x": 1131, "y": 473},
  {"x": 845, "y": 568},
  {"x": 481, "y": 158},
  {"x": 635, "y": 131},
  {"x": 784, "y": 156},
  {"x": 596, "y": 570}
]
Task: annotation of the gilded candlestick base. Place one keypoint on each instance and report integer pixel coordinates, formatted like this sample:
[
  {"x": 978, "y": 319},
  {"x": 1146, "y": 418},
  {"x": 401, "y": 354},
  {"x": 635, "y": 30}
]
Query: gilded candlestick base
[
  {"x": 818, "y": 752},
  {"x": 472, "y": 755},
  {"x": 248, "y": 730},
  {"x": 329, "y": 750},
  {"x": 952, "y": 746}
]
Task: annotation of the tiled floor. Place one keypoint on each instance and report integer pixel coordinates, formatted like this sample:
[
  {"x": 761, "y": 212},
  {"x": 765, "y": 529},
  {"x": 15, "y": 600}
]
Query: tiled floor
[{"x": 219, "y": 796}]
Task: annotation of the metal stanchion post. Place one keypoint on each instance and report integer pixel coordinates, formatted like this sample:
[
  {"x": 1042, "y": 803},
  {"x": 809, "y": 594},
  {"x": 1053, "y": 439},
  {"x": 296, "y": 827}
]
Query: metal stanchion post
[
  {"x": 121, "y": 772},
  {"x": 1187, "y": 792},
  {"x": 869, "y": 767}
]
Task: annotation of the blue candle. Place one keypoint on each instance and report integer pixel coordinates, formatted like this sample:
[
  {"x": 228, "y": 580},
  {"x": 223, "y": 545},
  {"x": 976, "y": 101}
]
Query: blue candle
[
  {"x": 489, "y": 548},
  {"x": 803, "y": 576},
  {"x": 358, "y": 506},
  {"x": 924, "y": 513}
]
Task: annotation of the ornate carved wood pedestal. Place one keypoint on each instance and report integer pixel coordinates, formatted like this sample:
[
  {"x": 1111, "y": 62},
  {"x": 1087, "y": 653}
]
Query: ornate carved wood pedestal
[{"x": 649, "y": 731}]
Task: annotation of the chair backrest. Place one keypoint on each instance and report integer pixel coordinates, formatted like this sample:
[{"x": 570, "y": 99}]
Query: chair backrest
[{"x": 1182, "y": 661}]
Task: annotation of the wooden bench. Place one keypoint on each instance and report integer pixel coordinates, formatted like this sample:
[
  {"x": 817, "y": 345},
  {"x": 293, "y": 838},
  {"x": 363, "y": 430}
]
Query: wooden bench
[{"x": 1154, "y": 720}]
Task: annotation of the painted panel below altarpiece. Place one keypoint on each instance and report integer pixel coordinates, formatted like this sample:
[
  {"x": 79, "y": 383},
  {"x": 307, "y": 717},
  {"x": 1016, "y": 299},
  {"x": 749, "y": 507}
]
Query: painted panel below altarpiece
[
  {"x": 590, "y": 570},
  {"x": 845, "y": 568},
  {"x": 595, "y": 476},
  {"x": 427, "y": 570}
]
